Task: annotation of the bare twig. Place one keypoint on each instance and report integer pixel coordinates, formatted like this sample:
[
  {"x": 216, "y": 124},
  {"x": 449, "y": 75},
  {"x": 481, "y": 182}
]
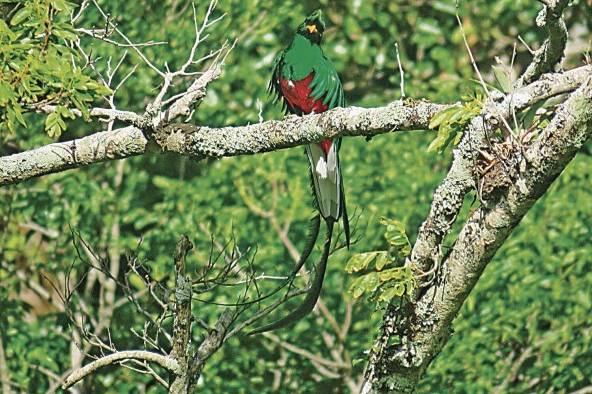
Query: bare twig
[
  {"x": 303, "y": 352},
  {"x": 264, "y": 312},
  {"x": 135, "y": 47},
  {"x": 473, "y": 62},
  {"x": 401, "y": 72}
]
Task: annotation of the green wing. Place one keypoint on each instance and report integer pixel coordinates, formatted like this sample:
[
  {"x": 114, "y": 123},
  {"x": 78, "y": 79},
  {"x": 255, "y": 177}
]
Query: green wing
[
  {"x": 327, "y": 85},
  {"x": 274, "y": 83}
]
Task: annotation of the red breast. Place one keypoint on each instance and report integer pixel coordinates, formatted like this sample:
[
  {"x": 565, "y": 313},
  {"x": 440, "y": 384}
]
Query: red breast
[{"x": 297, "y": 94}]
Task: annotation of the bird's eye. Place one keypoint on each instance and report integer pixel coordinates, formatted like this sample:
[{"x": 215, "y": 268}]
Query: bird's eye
[{"x": 311, "y": 28}]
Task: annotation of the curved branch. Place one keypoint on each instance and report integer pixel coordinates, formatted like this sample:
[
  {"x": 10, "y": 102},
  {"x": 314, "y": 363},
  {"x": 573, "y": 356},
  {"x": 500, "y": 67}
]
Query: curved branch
[
  {"x": 449, "y": 196},
  {"x": 168, "y": 363},
  {"x": 428, "y": 326}
]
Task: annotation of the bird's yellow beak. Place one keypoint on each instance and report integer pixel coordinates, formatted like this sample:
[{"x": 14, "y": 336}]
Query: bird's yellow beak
[{"x": 312, "y": 28}]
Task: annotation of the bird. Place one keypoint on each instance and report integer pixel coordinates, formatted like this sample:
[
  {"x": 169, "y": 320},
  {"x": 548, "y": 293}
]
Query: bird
[{"x": 305, "y": 81}]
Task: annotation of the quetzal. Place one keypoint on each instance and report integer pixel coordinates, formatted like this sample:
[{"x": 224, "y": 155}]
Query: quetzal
[{"x": 306, "y": 82}]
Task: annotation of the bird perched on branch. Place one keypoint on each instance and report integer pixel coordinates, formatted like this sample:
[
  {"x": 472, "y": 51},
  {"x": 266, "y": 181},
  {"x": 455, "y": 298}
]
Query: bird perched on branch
[{"x": 306, "y": 82}]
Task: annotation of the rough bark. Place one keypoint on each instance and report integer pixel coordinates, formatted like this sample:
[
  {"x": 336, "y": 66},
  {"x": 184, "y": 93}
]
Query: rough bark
[
  {"x": 449, "y": 196},
  {"x": 425, "y": 325},
  {"x": 182, "y": 318},
  {"x": 201, "y": 142},
  {"x": 422, "y": 325},
  {"x": 550, "y": 54}
]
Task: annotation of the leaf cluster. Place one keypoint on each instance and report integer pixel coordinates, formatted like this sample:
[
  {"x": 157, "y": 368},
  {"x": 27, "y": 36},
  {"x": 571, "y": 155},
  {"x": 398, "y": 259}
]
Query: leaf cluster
[
  {"x": 452, "y": 122},
  {"x": 40, "y": 67},
  {"x": 389, "y": 279}
]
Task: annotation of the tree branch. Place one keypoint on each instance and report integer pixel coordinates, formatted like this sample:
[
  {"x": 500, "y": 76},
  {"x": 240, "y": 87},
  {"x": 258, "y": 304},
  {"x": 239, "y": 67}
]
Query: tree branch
[
  {"x": 168, "y": 363},
  {"x": 449, "y": 196},
  {"x": 182, "y": 316},
  {"x": 305, "y": 353},
  {"x": 61, "y": 156},
  {"x": 552, "y": 50},
  {"x": 4, "y": 373},
  {"x": 425, "y": 326},
  {"x": 211, "y": 344},
  {"x": 202, "y": 142}
]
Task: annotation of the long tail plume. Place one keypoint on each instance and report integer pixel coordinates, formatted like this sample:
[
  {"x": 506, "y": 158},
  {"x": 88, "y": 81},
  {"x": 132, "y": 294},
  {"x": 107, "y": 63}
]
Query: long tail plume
[{"x": 312, "y": 295}]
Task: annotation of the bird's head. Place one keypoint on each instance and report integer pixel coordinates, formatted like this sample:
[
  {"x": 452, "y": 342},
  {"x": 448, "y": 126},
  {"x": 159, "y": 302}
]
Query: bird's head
[{"x": 313, "y": 27}]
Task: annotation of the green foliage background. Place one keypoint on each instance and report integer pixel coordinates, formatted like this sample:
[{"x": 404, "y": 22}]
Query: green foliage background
[{"x": 526, "y": 327}]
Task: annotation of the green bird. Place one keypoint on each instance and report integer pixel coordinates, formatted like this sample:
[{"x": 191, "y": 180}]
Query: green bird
[{"x": 306, "y": 82}]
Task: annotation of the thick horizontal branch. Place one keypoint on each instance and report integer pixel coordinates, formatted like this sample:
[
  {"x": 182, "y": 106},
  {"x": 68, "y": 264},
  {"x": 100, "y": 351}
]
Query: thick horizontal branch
[
  {"x": 202, "y": 142},
  {"x": 61, "y": 156},
  {"x": 168, "y": 363}
]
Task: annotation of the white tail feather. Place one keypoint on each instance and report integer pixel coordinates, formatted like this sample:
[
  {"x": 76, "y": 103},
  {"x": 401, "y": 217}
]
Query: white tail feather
[
  {"x": 326, "y": 179},
  {"x": 321, "y": 167}
]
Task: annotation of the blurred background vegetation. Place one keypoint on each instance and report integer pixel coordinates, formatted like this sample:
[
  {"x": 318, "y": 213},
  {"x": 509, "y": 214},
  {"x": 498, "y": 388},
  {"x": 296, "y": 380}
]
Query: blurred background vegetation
[{"x": 525, "y": 328}]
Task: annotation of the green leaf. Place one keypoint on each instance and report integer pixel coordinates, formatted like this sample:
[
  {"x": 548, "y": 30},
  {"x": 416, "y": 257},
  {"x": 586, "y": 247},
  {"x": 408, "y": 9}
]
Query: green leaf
[
  {"x": 21, "y": 15},
  {"x": 528, "y": 116},
  {"x": 65, "y": 35},
  {"x": 6, "y": 32},
  {"x": 54, "y": 124},
  {"x": 392, "y": 274},
  {"x": 10, "y": 119},
  {"x": 442, "y": 116},
  {"x": 451, "y": 123},
  {"x": 502, "y": 78},
  {"x": 397, "y": 290},
  {"x": 61, "y": 5},
  {"x": 438, "y": 144},
  {"x": 360, "y": 261},
  {"x": 18, "y": 112},
  {"x": 395, "y": 233},
  {"x": 99, "y": 88},
  {"x": 364, "y": 284},
  {"x": 381, "y": 261},
  {"x": 6, "y": 93}
]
